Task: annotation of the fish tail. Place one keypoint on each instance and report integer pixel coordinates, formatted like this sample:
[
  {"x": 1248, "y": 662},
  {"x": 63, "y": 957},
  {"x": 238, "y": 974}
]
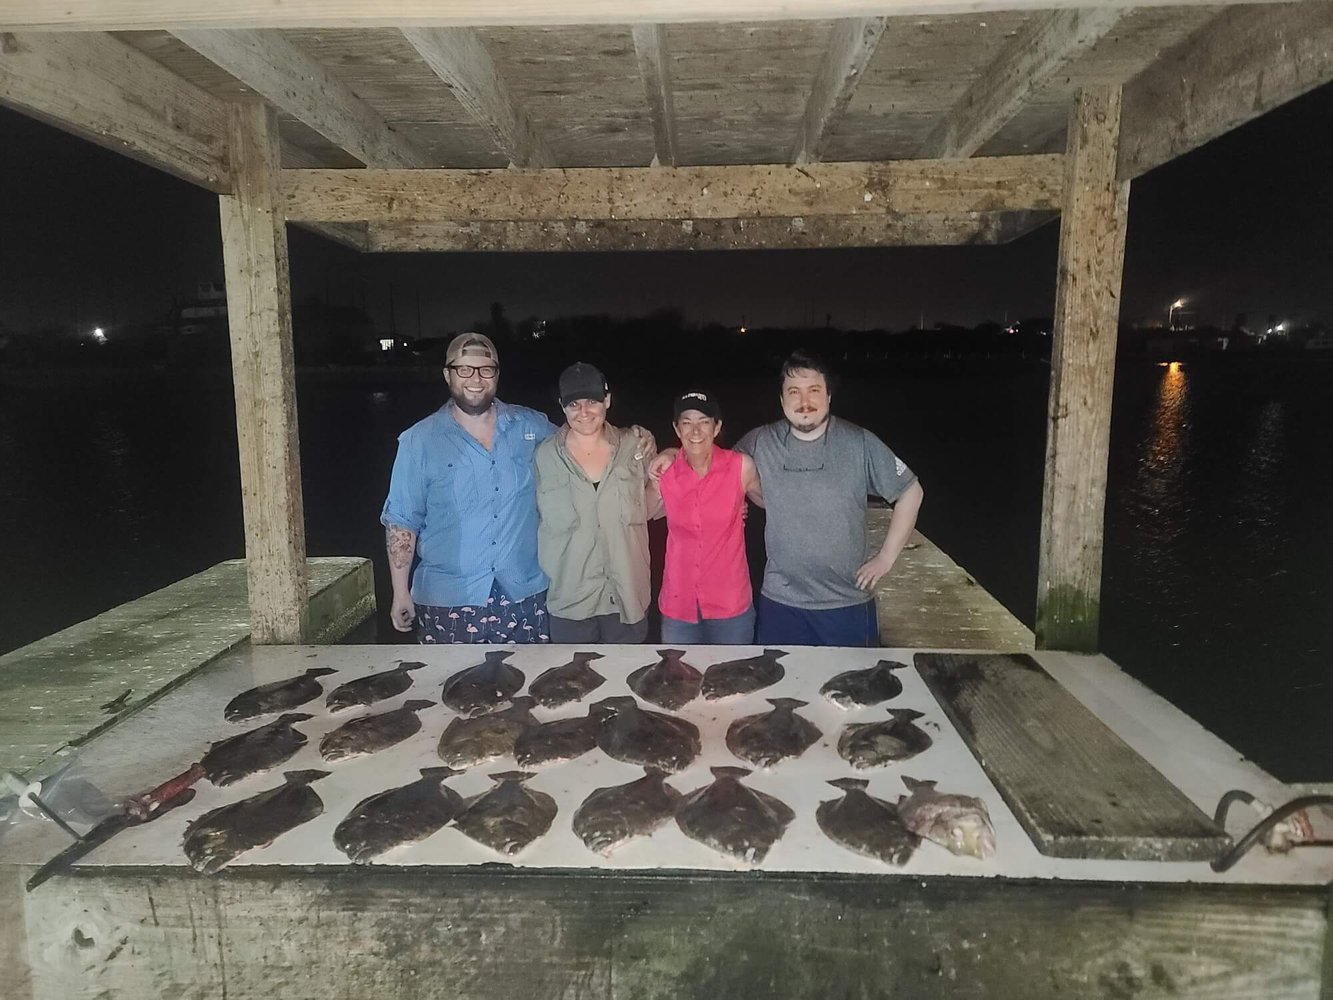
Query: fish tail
[
  {"x": 849, "y": 784},
  {"x": 320, "y": 671},
  {"x": 730, "y": 771},
  {"x": 891, "y": 665},
  {"x": 787, "y": 702},
  {"x": 499, "y": 656},
  {"x": 418, "y": 705},
  {"x": 287, "y": 718},
  {"x": 912, "y": 784},
  {"x": 304, "y": 777},
  {"x": 439, "y": 772},
  {"x": 671, "y": 654},
  {"x": 585, "y": 657},
  {"x": 905, "y": 714},
  {"x": 774, "y": 654},
  {"x": 504, "y": 776},
  {"x": 410, "y": 665}
]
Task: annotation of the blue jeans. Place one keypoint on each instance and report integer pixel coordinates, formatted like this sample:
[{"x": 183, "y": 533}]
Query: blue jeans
[
  {"x": 783, "y": 625},
  {"x": 737, "y": 631}
]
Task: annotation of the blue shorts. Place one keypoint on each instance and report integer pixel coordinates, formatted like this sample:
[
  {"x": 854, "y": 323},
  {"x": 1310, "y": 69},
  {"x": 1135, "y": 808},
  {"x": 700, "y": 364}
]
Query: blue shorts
[{"x": 783, "y": 625}]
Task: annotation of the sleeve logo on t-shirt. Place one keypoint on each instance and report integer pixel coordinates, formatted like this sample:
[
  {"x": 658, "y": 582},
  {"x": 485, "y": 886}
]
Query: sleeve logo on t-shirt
[{"x": 899, "y": 465}]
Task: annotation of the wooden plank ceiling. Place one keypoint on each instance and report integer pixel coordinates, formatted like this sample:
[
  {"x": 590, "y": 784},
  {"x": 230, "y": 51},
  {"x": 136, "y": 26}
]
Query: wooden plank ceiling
[{"x": 735, "y": 93}]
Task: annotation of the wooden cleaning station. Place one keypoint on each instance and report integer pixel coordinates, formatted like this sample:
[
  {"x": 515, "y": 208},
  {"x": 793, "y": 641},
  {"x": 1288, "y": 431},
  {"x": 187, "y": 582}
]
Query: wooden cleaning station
[{"x": 584, "y": 125}]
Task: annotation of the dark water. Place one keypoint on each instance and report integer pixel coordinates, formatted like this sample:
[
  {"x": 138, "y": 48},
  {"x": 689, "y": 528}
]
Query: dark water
[{"x": 1219, "y": 560}]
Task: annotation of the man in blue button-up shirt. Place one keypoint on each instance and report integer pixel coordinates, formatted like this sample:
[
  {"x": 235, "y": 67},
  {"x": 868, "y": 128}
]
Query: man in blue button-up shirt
[{"x": 462, "y": 496}]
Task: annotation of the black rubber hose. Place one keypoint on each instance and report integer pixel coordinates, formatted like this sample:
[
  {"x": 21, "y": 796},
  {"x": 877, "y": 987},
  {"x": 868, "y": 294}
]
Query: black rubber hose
[{"x": 1243, "y": 846}]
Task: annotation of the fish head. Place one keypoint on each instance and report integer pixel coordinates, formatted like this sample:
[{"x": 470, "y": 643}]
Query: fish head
[
  {"x": 967, "y": 832},
  {"x": 609, "y": 707}
]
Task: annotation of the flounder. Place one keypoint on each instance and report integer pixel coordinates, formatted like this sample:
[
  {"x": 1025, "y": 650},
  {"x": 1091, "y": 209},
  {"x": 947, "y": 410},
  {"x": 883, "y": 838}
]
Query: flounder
[
  {"x": 870, "y": 744},
  {"x": 484, "y": 687},
  {"x": 669, "y": 683},
  {"x": 469, "y": 742},
  {"x": 402, "y": 815},
  {"x": 610, "y": 817},
  {"x": 277, "y": 696},
  {"x": 765, "y": 739},
  {"x": 510, "y": 816},
  {"x": 865, "y": 824},
  {"x": 634, "y": 735},
  {"x": 254, "y": 751},
  {"x": 368, "y": 733},
  {"x": 221, "y": 835},
  {"x": 375, "y": 687},
  {"x": 722, "y": 680},
  {"x": 959, "y": 823},
  {"x": 554, "y": 742},
  {"x": 733, "y": 819},
  {"x": 858, "y": 688},
  {"x": 561, "y": 685}
]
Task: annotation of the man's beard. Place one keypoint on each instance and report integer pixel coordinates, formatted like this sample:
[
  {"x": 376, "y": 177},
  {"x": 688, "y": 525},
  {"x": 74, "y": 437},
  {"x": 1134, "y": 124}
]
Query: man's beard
[
  {"x": 472, "y": 409},
  {"x": 807, "y": 422}
]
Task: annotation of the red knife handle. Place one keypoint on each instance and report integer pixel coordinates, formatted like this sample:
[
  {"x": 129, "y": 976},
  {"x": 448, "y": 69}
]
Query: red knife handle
[{"x": 143, "y": 805}]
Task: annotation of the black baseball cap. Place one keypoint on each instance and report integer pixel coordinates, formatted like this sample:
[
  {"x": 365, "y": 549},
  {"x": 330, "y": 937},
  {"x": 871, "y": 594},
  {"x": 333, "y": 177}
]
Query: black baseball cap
[
  {"x": 582, "y": 381},
  {"x": 695, "y": 400}
]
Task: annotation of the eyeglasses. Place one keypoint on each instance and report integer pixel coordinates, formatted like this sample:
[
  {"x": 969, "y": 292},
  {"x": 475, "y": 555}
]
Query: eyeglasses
[{"x": 465, "y": 371}]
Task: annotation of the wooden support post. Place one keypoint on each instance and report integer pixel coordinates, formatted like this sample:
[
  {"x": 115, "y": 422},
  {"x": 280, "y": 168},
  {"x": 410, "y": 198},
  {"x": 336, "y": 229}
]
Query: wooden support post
[
  {"x": 1087, "y": 306},
  {"x": 254, "y": 246}
]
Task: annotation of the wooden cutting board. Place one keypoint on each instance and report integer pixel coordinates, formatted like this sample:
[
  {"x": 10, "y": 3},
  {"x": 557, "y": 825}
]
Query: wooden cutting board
[{"x": 1078, "y": 789}]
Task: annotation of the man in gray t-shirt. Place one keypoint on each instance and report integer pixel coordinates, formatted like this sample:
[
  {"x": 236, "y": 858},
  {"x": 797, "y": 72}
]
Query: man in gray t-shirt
[{"x": 815, "y": 472}]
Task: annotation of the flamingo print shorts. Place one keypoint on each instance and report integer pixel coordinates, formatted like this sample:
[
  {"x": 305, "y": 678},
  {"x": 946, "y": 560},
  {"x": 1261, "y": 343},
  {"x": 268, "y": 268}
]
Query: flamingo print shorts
[{"x": 499, "y": 621}]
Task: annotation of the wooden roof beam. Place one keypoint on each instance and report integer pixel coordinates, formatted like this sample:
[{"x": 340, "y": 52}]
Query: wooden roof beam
[
  {"x": 655, "y": 67},
  {"x": 1239, "y": 65},
  {"x": 911, "y": 187},
  {"x": 459, "y": 58},
  {"x": 800, "y": 233},
  {"x": 108, "y": 15},
  {"x": 852, "y": 43},
  {"x": 1042, "y": 49},
  {"x": 292, "y": 81},
  {"x": 102, "y": 90}
]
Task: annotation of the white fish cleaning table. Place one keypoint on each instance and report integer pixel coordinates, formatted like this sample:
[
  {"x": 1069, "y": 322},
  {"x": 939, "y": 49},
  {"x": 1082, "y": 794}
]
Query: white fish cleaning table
[{"x": 664, "y": 915}]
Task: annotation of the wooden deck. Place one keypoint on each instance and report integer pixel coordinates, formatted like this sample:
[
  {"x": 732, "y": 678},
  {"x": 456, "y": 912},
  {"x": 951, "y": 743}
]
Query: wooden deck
[
  {"x": 60, "y": 691},
  {"x": 931, "y": 602}
]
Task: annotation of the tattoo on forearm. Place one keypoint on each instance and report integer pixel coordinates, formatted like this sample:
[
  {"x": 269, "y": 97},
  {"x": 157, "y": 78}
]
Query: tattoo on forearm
[{"x": 401, "y": 543}]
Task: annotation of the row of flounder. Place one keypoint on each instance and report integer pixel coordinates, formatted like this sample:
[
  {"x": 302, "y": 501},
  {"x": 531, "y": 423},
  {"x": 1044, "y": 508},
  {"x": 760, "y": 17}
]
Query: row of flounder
[{"x": 725, "y": 815}]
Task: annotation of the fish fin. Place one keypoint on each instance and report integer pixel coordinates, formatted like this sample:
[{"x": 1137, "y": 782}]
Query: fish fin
[
  {"x": 728, "y": 771},
  {"x": 288, "y": 718},
  {"x": 671, "y": 654},
  {"x": 499, "y": 656},
  {"x": 787, "y": 703},
  {"x": 905, "y": 714},
  {"x": 440, "y": 771},
  {"x": 849, "y": 784},
  {"x": 303, "y": 777},
  {"x": 891, "y": 665},
  {"x": 522, "y": 701},
  {"x": 913, "y": 785},
  {"x": 504, "y": 776},
  {"x": 418, "y": 704},
  {"x": 320, "y": 671},
  {"x": 585, "y": 657},
  {"x": 774, "y": 654},
  {"x": 410, "y": 665}
]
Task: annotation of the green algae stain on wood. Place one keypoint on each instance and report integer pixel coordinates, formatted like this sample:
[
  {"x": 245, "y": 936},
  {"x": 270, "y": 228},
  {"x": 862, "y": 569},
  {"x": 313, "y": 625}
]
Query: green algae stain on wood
[{"x": 1068, "y": 618}]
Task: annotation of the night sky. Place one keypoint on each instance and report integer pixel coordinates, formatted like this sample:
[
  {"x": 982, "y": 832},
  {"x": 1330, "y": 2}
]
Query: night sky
[{"x": 1244, "y": 224}]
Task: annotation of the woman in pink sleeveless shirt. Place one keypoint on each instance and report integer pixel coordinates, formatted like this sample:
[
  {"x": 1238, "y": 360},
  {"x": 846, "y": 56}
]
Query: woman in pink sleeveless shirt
[{"x": 705, "y": 596}]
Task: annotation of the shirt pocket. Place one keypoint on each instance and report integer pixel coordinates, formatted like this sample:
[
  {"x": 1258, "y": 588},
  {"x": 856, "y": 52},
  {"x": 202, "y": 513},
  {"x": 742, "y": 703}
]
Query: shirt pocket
[
  {"x": 555, "y": 502},
  {"x": 451, "y": 494},
  {"x": 628, "y": 485}
]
